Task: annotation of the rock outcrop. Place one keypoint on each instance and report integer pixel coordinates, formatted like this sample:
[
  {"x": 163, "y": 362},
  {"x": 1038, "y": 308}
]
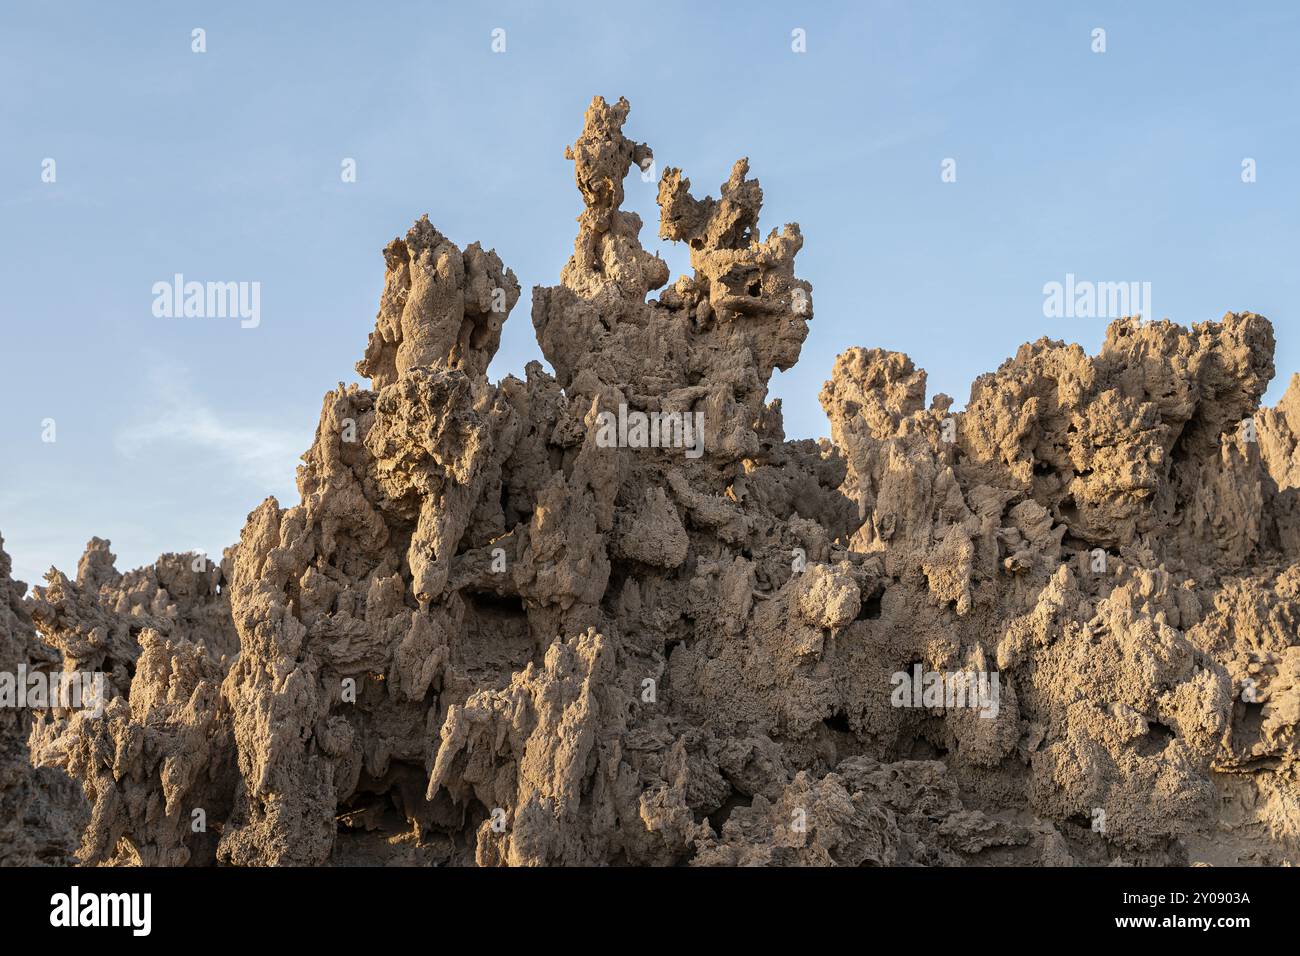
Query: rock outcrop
[
  {"x": 40, "y": 813},
  {"x": 611, "y": 615}
]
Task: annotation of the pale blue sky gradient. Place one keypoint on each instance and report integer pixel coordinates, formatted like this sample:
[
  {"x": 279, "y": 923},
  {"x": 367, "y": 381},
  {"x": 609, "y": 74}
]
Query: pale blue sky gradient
[{"x": 225, "y": 166}]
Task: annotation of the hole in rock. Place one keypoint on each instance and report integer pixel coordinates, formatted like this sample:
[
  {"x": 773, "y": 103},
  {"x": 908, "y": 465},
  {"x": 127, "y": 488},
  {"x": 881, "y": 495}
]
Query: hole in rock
[
  {"x": 838, "y": 722},
  {"x": 923, "y": 749},
  {"x": 870, "y": 610},
  {"x": 494, "y": 639},
  {"x": 1157, "y": 738},
  {"x": 719, "y": 816},
  {"x": 1247, "y": 724},
  {"x": 485, "y": 602}
]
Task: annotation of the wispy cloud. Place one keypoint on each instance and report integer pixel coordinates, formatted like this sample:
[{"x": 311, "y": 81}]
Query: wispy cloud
[{"x": 181, "y": 419}]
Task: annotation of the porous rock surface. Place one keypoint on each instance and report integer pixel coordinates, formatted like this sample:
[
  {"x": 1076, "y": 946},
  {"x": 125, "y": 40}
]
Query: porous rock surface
[
  {"x": 483, "y": 636},
  {"x": 41, "y": 814}
]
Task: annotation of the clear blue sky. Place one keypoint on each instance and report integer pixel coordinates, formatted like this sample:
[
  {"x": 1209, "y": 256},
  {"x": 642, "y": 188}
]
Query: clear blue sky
[{"x": 225, "y": 166}]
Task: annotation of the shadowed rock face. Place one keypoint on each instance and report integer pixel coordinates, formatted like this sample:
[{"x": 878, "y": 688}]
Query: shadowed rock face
[
  {"x": 41, "y": 814},
  {"x": 613, "y": 616}
]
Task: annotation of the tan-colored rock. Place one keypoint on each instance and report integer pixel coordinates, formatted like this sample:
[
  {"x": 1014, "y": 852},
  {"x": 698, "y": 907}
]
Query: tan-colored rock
[
  {"x": 41, "y": 811},
  {"x": 613, "y": 616}
]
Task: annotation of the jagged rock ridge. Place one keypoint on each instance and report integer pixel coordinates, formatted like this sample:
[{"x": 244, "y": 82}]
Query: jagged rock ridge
[{"x": 486, "y": 636}]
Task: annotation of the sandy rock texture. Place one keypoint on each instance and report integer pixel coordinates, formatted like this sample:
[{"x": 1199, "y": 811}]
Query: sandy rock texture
[
  {"x": 41, "y": 814},
  {"x": 610, "y": 615}
]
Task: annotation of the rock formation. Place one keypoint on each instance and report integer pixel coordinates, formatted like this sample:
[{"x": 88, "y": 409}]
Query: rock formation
[
  {"x": 612, "y": 616},
  {"x": 40, "y": 813}
]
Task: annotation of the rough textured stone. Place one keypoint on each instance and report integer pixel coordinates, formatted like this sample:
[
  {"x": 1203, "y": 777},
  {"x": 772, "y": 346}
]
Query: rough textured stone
[
  {"x": 485, "y": 636},
  {"x": 40, "y": 813}
]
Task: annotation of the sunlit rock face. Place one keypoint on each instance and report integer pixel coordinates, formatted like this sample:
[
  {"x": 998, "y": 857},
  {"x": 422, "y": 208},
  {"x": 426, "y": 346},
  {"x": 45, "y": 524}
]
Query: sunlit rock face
[{"x": 609, "y": 614}]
